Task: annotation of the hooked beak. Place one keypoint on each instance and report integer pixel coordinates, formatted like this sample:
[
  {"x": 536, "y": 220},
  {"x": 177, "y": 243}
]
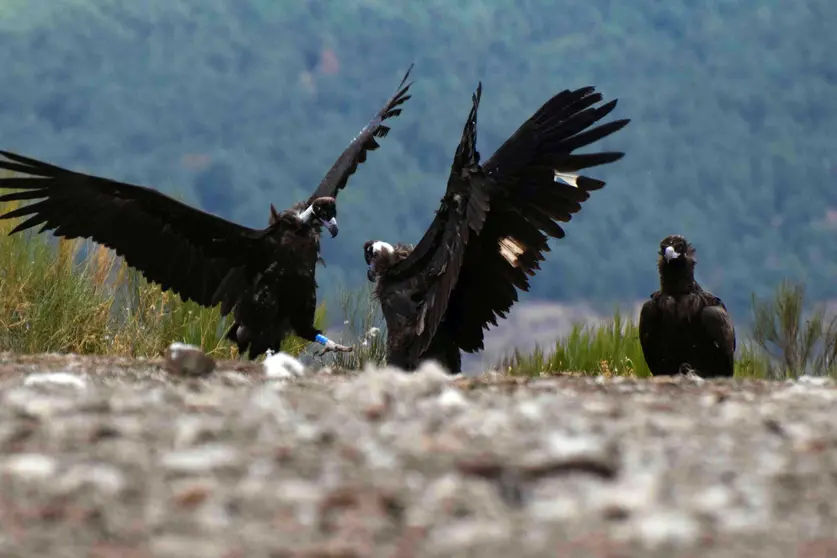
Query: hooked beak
[
  {"x": 670, "y": 254},
  {"x": 370, "y": 275},
  {"x": 331, "y": 225}
]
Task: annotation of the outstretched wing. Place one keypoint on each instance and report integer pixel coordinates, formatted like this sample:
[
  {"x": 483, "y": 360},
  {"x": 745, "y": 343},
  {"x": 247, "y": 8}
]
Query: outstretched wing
[
  {"x": 432, "y": 269},
  {"x": 537, "y": 186},
  {"x": 355, "y": 154},
  {"x": 179, "y": 247}
]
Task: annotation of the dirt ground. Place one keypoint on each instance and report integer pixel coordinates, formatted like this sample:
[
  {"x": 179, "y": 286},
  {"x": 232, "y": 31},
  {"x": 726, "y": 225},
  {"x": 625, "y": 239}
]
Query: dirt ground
[{"x": 119, "y": 459}]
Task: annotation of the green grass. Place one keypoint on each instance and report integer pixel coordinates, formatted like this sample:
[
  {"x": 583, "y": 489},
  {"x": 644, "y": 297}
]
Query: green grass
[
  {"x": 611, "y": 348},
  {"x": 787, "y": 339},
  {"x": 54, "y": 299}
]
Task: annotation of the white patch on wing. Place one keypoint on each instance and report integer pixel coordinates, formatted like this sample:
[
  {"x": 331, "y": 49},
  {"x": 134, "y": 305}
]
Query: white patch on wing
[
  {"x": 511, "y": 249},
  {"x": 381, "y": 246},
  {"x": 567, "y": 178}
]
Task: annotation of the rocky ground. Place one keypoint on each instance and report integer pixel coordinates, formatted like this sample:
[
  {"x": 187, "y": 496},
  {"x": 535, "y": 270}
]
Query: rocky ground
[{"x": 120, "y": 458}]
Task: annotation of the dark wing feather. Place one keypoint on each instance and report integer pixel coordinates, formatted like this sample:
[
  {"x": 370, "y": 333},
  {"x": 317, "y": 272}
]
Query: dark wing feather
[
  {"x": 432, "y": 268},
  {"x": 179, "y": 247},
  {"x": 527, "y": 206},
  {"x": 649, "y": 335},
  {"x": 718, "y": 326},
  {"x": 355, "y": 154}
]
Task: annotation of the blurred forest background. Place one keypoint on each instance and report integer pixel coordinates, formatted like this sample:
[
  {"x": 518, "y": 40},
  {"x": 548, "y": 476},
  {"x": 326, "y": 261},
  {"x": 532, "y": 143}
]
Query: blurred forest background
[{"x": 233, "y": 104}]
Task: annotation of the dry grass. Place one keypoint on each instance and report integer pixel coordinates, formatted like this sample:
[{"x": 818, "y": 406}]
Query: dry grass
[{"x": 60, "y": 295}]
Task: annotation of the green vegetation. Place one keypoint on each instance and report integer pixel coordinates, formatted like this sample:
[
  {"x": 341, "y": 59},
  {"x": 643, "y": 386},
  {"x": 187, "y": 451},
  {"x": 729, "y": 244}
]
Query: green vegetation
[
  {"x": 240, "y": 103},
  {"x": 797, "y": 343},
  {"x": 72, "y": 296},
  {"x": 611, "y": 348},
  {"x": 787, "y": 340}
]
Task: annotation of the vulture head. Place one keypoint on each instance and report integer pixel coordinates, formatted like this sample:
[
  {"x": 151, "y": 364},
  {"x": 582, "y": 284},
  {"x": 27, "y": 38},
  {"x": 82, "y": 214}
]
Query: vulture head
[
  {"x": 676, "y": 253},
  {"x": 322, "y": 211},
  {"x": 378, "y": 255}
]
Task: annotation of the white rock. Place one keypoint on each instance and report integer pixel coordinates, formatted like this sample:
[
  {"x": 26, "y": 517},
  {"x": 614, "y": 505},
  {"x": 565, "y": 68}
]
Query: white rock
[
  {"x": 558, "y": 508},
  {"x": 452, "y": 398},
  {"x": 667, "y": 527},
  {"x": 200, "y": 459},
  {"x": 31, "y": 466},
  {"x": 563, "y": 446},
  {"x": 530, "y": 410},
  {"x": 456, "y": 536},
  {"x": 282, "y": 366},
  {"x": 56, "y": 378},
  {"x": 105, "y": 478},
  {"x": 818, "y": 381}
]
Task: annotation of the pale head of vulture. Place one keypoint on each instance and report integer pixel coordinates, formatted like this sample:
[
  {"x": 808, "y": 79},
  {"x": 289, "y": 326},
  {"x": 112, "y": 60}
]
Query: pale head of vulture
[
  {"x": 675, "y": 252},
  {"x": 322, "y": 211},
  {"x": 373, "y": 252}
]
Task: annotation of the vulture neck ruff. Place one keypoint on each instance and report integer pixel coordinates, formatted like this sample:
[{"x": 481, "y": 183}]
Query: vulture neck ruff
[
  {"x": 677, "y": 275},
  {"x": 306, "y": 215}
]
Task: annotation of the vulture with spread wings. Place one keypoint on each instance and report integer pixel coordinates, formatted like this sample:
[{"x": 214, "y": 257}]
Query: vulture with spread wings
[
  {"x": 490, "y": 231},
  {"x": 266, "y": 277},
  {"x": 683, "y": 327}
]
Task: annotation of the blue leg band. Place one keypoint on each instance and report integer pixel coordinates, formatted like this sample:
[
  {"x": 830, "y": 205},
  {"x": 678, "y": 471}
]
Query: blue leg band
[{"x": 321, "y": 339}]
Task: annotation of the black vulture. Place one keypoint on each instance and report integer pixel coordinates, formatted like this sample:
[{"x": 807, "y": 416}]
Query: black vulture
[
  {"x": 683, "y": 327},
  {"x": 490, "y": 231},
  {"x": 266, "y": 277}
]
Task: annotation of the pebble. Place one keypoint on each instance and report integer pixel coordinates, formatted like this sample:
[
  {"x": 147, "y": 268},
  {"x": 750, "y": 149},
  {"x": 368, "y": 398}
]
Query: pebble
[
  {"x": 187, "y": 360},
  {"x": 452, "y": 398},
  {"x": 56, "y": 378},
  {"x": 282, "y": 366},
  {"x": 671, "y": 527},
  {"x": 104, "y": 478},
  {"x": 200, "y": 459},
  {"x": 341, "y": 463},
  {"x": 31, "y": 466}
]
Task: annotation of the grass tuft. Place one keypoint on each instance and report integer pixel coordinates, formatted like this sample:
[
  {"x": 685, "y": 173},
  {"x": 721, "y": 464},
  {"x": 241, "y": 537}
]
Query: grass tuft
[
  {"x": 363, "y": 327},
  {"x": 611, "y": 348},
  {"x": 73, "y": 296}
]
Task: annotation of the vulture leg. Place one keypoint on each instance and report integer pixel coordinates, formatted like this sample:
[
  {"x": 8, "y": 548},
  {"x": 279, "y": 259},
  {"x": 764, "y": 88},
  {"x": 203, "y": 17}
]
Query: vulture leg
[{"x": 302, "y": 322}]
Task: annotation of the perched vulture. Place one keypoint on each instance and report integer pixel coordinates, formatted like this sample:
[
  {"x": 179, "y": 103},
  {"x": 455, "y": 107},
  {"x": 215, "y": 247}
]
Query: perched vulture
[
  {"x": 266, "y": 277},
  {"x": 490, "y": 231},
  {"x": 683, "y": 327}
]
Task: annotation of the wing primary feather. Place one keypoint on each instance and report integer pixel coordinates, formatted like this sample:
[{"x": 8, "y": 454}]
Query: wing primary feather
[
  {"x": 30, "y": 166},
  {"x": 466, "y": 152},
  {"x": 347, "y": 163},
  {"x": 25, "y": 195},
  {"x": 536, "y": 190}
]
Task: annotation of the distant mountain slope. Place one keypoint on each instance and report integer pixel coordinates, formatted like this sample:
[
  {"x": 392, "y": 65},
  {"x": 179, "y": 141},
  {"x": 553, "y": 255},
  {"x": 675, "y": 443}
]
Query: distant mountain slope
[{"x": 237, "y": 104}]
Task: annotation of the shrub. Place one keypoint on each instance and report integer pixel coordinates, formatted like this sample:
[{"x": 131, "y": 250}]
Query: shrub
[{"x": 795, "y": 344}]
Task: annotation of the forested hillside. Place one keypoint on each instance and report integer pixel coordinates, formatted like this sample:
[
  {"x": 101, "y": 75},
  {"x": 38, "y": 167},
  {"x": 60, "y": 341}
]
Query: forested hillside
[{"x": 233, "y": 104}]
